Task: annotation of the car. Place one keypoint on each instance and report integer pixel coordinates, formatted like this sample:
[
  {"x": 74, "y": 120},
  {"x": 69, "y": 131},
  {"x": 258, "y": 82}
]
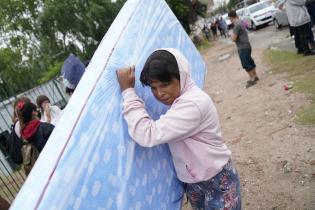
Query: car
[
  {"x": 279, "y": 16},
  {"x": 245, "y": 3},
  {"x": 258, "y": 14},
  {"x": 227, "y": 20}
]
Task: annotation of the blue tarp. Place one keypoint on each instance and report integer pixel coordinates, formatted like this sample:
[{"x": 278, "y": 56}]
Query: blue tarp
[{"x": 90, "y": 162}]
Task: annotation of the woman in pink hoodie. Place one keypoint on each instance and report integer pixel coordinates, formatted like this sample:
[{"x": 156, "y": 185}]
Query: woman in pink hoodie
[{"x": 191, "y": 128}]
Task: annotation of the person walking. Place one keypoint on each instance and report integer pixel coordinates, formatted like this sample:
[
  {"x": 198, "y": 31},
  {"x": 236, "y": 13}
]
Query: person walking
[
  {"x": 213, "y": 28},
  {"x": 240, "y": 36},
  {"x": 190, "y": 127},
  {"x": 222, "y": 27},
  {"x": 206, "y": 31}
]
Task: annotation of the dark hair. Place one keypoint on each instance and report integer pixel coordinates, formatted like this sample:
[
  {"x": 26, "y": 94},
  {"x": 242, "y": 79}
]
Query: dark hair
[
  {"x": 232, "y": 14},
  {"x": 86, "y": 63},
  {"x": 40, "y": 100},
  {"x": 69, "y": 90},
  {"x": 160, "y": 65},
  {"x": 25, "y": 112},
  {"x": 21, "y": 98}
]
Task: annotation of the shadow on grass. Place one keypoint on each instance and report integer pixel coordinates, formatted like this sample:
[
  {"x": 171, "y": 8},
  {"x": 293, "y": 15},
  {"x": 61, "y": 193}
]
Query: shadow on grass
[{"x": 300, "y": 70}]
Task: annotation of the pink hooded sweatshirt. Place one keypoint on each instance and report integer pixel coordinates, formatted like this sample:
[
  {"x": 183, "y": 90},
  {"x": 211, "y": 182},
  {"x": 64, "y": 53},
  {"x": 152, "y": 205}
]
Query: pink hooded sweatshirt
[{"x": 190, "y": 127}]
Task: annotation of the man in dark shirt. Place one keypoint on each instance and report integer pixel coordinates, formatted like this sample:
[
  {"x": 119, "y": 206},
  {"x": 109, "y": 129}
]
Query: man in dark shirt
[{"x": 240, "y": 37}]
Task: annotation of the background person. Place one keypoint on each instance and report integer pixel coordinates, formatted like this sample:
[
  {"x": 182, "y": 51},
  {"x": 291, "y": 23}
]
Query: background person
[
  {"x": 14, "y": 140},
  {"x": 72, "y": 71},
  {"x": 32, "y": 132},
  {"x": 300, "y": 20},
  {"x": 15, "y": 119},
  {"x": 222, "y": 27},
  {"x": 240, "y": 36},
  {"x": 49, "y": 113}
]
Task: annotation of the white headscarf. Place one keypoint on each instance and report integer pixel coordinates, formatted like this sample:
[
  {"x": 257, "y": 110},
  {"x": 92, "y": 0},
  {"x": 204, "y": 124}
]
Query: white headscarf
[{"x": 186, "y": 82}]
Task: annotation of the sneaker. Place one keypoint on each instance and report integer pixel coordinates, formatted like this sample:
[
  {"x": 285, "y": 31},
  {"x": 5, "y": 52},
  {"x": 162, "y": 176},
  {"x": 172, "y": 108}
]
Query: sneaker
[
  {"x": 255, "y": 80},
  {"x": 250, "y": 83}
]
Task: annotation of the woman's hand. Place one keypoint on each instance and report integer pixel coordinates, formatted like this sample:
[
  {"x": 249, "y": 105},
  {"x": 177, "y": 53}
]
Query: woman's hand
[
  {"x": 47, "y": 111},
  {"x": 126, "y": 77}
]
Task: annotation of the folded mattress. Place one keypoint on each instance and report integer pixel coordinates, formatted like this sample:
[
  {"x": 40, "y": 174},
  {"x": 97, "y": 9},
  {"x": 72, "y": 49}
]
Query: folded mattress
[{"x": 90, "y": 161}]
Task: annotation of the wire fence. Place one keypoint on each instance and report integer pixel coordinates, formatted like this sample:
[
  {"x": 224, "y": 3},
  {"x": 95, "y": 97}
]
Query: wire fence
[
  {"x": 52, "y": 89},
  {"x": 11, "y": 176},
  {"x": 10, "y": 181}
]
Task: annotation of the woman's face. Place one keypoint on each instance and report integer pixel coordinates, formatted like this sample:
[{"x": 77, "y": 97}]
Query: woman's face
[
  {"x": 45, "y": 104},
  {"x": 166, "y": 92}
]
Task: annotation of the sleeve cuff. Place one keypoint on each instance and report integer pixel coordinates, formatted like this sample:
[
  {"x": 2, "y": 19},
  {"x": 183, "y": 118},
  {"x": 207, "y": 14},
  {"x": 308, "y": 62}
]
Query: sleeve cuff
[{"x": 128, "y": 92}]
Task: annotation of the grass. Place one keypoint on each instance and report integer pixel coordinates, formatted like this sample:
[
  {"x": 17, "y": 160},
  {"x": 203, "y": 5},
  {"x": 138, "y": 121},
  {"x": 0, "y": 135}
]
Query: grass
[
  {"x": 306, "y": 115},
  {"x": 301, "y": 71},
  {"x": 204, "y": 45}
]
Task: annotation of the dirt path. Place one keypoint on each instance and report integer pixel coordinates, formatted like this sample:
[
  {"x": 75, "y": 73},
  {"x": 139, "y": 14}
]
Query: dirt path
[{"x": 274, "y": 156}]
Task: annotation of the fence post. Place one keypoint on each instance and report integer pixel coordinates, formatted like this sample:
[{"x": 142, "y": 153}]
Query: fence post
[{"x": 59, "y": 91}]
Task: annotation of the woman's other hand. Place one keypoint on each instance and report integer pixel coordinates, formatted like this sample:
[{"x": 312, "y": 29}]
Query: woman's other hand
[
  {"x": 126, "y": 77},
  {"x": 47, "y": 111}
]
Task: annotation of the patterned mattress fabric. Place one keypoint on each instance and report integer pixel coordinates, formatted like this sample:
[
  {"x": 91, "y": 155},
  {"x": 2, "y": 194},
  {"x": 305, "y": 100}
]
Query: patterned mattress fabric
[{"x": 90, "y": 161}]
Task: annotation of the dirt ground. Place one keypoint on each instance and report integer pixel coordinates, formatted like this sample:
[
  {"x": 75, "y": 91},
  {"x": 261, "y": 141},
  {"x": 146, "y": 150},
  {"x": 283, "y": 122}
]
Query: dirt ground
[{"x": 274, "y": 155}]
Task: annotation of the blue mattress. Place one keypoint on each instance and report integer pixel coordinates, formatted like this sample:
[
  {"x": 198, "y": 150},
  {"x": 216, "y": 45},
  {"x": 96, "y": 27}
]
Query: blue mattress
[{"x": 90, "y": 161}]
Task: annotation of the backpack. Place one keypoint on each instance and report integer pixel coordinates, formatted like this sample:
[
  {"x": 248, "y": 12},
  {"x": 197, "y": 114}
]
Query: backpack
[
  {"x": 14, "y": 147},
  {"x": 29, "y": 155}
]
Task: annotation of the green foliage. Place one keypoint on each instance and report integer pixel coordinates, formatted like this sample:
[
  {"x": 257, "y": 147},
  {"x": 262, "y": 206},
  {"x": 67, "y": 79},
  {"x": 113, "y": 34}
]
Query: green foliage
[
  {"x": 204, "y": 45},
  {"x": 231, "y": 4},
  {"x": 222, "y": 9},
  {"x": 52, "y": 71},
  {"x": 186, "y": 12},
  {"x": 15, "y": 74},
  {"x": 44, "y": 33},
  {"x": 37, "y": 35}
]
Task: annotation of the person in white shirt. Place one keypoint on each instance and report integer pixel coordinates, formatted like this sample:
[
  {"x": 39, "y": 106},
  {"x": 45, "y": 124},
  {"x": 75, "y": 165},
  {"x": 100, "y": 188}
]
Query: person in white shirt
[{"x": 49, "y": 113}]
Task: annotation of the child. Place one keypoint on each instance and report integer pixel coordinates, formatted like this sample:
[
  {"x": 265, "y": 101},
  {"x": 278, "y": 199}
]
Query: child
[{"x": 190, "y": 127}]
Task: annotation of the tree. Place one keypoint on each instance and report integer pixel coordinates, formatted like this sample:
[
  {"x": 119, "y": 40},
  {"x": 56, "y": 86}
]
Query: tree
[
  {"x": 15, "y": 74},
  {"x": 232, "y": 4},
  {"x": 37, "y": 35},
  {"x": 186, "y": 12}
]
